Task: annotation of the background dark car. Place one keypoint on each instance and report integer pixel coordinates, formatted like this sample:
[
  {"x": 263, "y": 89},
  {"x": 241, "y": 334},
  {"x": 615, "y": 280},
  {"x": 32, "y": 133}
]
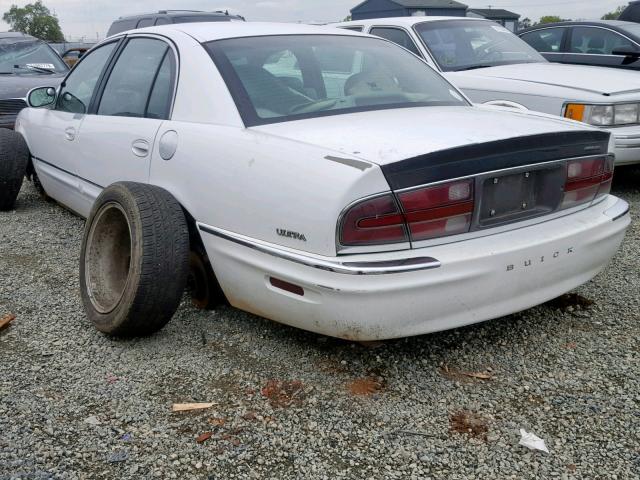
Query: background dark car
[
  {"x": 165, "y": 17},
  {"x": 25, "y": 63},
  {"x": 604, "y": 43},
  {"x": 71, "y": 52},
  {"x": 631, "y": 13}
]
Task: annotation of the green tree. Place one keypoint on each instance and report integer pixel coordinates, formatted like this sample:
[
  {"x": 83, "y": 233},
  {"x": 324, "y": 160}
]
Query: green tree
[
  {"x": 525, "y": 23},
  {"x": 615, "y": 14},
  {"x": 550, "y": 19},
  {"x": 34, "y": 19}
]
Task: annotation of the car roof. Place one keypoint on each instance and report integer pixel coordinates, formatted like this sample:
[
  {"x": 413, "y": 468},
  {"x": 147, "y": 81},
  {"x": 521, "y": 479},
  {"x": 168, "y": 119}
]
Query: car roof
[
  {"x": 209, "y": 31},
  {"x": 179, "y": 13},
  {"x": 405, "y": 21},
  {"x": 617, "y": 25},
  {"x": 568, "y": 23}
]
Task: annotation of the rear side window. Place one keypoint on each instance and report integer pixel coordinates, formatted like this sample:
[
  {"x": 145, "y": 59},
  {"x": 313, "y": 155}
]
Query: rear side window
[
  {"x": 145, "y": 22},
  {"x": 162, "y": 21},
  {"x": 121, "y": 26},
  {"x": 597, "y": 41},
  {"x": 397, "y": 36},
  {"x": 547, "y": 40},
  {"x": 133, "y": 77},
  {"x": 79, "y": 86},
  {"x": 161, "y": 96}
]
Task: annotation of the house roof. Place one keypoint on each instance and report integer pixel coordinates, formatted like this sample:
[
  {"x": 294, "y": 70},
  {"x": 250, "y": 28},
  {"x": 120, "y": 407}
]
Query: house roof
[
  {"x": 431, "y": 4},
  {"x": 494, "y": 13}
]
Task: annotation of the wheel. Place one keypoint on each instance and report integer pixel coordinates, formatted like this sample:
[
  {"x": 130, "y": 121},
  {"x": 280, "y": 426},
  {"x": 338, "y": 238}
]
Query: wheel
[
  {"x": 205, "y": 291},
  {"x": 134, "y": 260},
  {"x": 14, "y": 158}
]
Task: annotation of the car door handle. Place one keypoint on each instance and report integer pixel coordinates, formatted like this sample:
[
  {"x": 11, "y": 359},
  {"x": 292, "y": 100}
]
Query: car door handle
[
  {"x": 140, "y": 148},
  {"x": 70, "y": 133}
]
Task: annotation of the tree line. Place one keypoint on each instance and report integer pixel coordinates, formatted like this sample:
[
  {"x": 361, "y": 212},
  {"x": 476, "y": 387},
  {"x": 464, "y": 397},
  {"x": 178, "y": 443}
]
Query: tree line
[{"x": 34, "y": 19}]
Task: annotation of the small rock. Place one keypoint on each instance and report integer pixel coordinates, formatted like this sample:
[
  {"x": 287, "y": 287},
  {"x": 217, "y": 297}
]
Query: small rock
[{"x": 92, "y": 420}]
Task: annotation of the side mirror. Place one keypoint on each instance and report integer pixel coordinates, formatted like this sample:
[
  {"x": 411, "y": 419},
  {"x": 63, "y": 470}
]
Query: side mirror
[
  {"x": 41, "y": 97},
  {"x": 626, "y": 52}
]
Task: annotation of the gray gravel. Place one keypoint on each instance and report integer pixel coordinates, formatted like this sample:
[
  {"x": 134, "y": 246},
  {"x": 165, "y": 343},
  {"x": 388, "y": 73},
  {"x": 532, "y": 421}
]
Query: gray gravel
[{"x": 74, "y": 404}]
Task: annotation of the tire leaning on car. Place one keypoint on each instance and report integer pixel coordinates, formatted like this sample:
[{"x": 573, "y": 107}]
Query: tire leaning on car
[
  {"x": 14, "y": 158},
  {"x": 134, "y": 260}
]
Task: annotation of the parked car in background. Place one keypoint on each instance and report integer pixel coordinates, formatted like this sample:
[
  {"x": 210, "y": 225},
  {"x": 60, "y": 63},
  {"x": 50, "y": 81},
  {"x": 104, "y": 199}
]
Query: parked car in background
[
  {"x": 492, "y": 65},
  {"x": 71, "y": 52},
  {"x": 73, "y": 55},
  {"x": 25, "y": 63},
  {"x": 631, "y": 13},
  {"x": 600, "y": 43},
  {"x": 167, "y": 17},
  {"x": 328, "y": 180}
]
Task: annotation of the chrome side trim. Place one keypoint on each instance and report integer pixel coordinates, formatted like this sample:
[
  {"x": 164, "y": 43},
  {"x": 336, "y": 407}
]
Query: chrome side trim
[
  {"x": 619, "y": 210},
  {"x": 385, "y": 267},
  {"x": 627, "y": 137}
]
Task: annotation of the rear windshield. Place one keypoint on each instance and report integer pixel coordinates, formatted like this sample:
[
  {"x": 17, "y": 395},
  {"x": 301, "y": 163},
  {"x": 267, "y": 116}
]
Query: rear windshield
[{"x": 282, "y": 78}]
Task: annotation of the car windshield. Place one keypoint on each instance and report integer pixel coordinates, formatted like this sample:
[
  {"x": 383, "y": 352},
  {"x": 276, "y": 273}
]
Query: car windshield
[
  {"x": 468, "y": 44},
  {"x": 281, "y": 78},
  {"x": 28, "y": 55}
]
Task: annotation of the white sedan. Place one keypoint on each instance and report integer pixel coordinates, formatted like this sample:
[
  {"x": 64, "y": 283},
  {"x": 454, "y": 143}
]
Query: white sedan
[
  {"x": 324, "y": 179},
  {"x": 492, "y": 65}
]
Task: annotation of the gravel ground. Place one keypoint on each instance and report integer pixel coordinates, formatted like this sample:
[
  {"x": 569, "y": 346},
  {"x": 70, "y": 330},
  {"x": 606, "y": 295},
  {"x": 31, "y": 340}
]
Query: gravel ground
[{"x": 291, "y": 404}]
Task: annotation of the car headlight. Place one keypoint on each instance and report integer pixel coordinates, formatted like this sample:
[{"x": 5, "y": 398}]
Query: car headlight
[{"x": 604, "y": 115}]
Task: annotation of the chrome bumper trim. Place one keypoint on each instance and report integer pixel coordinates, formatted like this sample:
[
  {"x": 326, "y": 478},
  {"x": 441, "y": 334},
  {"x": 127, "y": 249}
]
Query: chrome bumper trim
[
  {"x": 404, "y": 265},
  {"x": 627, "y": 141},
  {"x": 619, "y": 210}
]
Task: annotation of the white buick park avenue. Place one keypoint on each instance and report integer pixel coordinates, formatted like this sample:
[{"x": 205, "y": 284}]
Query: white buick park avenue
[
  {"x": 492, "y": 65},
  {"x": 317, "y": 177}
]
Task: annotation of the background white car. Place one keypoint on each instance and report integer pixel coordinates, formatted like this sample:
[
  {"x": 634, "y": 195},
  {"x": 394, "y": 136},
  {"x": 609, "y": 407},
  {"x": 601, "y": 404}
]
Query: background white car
[
  {"x": 492, "y": 65},
  {"x": 329, "y": 180}
]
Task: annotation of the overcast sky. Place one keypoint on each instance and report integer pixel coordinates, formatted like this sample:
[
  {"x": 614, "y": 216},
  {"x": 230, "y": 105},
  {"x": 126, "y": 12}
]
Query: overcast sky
[{"x": 92, "y": 17}]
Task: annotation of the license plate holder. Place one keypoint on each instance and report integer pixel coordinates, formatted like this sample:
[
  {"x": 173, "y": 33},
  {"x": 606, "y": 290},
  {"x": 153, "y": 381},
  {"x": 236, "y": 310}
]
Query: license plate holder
[{"x": 521, "y": 195}]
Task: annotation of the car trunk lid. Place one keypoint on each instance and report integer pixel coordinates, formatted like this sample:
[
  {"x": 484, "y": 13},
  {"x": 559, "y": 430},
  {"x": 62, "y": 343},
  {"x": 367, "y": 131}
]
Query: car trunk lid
[{"x": 388, "y": 136}]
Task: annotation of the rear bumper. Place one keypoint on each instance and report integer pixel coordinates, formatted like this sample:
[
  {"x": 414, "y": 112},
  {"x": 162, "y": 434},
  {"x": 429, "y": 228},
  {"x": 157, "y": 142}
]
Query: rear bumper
[{"x": 475, "y": 280}]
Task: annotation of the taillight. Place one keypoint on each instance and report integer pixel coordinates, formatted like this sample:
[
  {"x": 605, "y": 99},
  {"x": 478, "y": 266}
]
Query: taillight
[
  {"x": 429, "y": 212},
  {"x": 586, "y": 180},
  {"x": 438, "y": 211},
  {"x": 607, "y": 178},
  {"x": 448, "y": 208},
  {"x": 373, "y": 222}
]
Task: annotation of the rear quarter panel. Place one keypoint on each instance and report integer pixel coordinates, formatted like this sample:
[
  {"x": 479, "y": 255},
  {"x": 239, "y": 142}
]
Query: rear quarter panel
[{"x": 253, "y": 184}]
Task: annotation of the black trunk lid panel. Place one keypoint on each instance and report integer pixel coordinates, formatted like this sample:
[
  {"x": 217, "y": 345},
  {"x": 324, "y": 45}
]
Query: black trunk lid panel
[{"x": 480, "y": 158}]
